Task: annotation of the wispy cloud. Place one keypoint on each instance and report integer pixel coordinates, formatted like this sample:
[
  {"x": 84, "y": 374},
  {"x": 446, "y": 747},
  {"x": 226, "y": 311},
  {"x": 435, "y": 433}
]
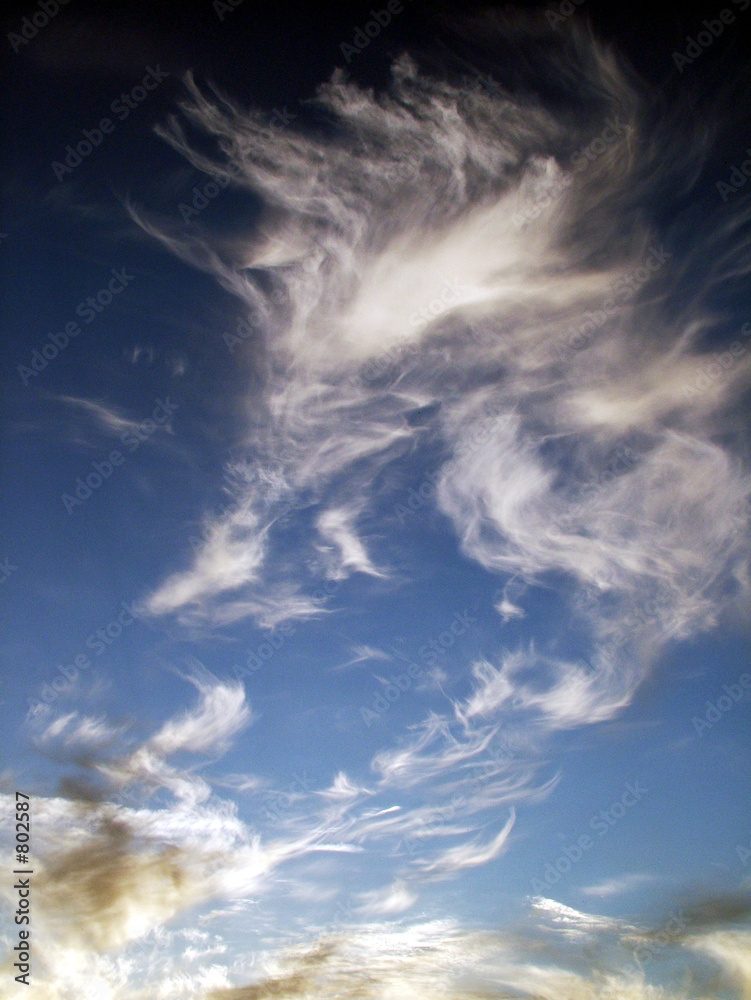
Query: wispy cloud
[
  {"x": 413, "y": 266},
  {"x": 221, "y": 714},
  {"x": 468, "y": 855},
  {"x": 345, "y": 552},
  {"x": 362, "y": 653},
  {"x": 386, "y": 902},
  {"x": 573, "y": 923},
  {"x": 231, "y": 555},
  {"x": 106, "y": 417},
  {"x": 618, "y": 885}
]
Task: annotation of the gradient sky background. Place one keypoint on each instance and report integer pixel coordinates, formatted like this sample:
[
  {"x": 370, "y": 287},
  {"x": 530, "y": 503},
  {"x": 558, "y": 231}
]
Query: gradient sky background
[{"x": 440, "y": 568}]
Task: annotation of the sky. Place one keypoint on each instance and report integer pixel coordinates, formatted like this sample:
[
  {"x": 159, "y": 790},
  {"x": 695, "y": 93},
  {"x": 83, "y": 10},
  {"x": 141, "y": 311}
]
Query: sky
[{"x": 375, "y": 555}]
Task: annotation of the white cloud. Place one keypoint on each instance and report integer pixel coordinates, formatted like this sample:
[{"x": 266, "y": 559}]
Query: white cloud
[
  {"x": 230, "y": 556},
  {"x": 507, "y": 610},
  {"x": 392, "y": 899},
  {"x": 345, "y": 552},
  {"x": 362, "y": 653},
  {"x": 221, "y": 714},
  {"x": 618, "y": 885},
  {"x": 469, "y": 854},
  {"x": 732, "y": 949},
  {"x": 344, "y": 788},
  {"x": 240, "y": 782},
  {"x": 573, "y": 923},
  {"x": 433, "y": 751},
  {"x": 73, "y": 730},
  {"x": 106, "y": 417}
]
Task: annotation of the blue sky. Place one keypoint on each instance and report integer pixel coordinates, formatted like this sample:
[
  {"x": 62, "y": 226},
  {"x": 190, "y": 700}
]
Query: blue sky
[{"x": 375, "y": 565}]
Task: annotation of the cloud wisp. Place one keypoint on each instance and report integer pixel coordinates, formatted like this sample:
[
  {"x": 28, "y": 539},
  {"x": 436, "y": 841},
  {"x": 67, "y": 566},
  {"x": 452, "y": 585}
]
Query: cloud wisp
[{"x": 348, "y": 265}]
